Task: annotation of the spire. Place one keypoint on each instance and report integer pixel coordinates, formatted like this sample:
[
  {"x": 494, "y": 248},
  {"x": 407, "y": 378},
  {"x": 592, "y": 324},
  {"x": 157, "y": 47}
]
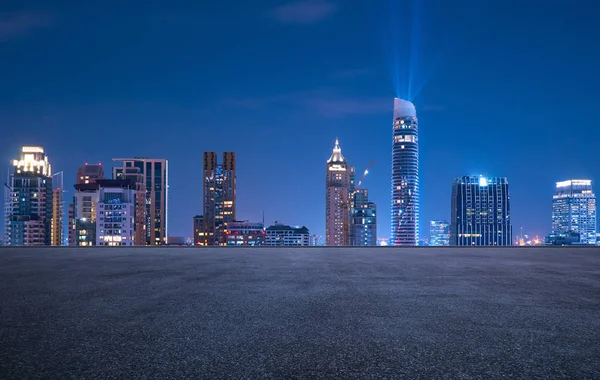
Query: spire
[{"x": 336, "y": 156}]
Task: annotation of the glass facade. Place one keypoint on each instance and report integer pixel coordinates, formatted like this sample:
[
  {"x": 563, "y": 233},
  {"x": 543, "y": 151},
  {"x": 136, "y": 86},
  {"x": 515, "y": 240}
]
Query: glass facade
[
  {"x": 439, "y": 233},
  {"x": 405, "y": 175},
  {"x": 480, "y": 212},
  {"x": 574, "y": 210},
  {"x": 364, "y": 220}
]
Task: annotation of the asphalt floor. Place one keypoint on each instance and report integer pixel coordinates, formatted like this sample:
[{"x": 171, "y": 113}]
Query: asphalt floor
[{"x": 300, "y": 313}]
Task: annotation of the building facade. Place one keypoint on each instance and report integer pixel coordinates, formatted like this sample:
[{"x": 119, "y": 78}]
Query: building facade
[
  {"x": 245, "y": 233},
  {"x": 480, "y": 212},
  {"x": 155, "y": 176},
  {"x": 364, "y": 220},
  {"x": 286, "y": 236},
  {"x": 115, "y": 224},
  {"x": 574, "y": 210},
  {"x": 219, "y": 197},
  {"x": 338, "y": 182},
  {"x": 439, "y": 233},
  {"x": 29, "y": 200},
  {"x": 82, "y": 212},
  {"x": 405, "y": 175}
]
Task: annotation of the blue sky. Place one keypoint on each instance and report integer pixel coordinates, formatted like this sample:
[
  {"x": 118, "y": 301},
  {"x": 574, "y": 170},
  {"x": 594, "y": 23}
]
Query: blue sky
[{"x": 507, "y": 88}]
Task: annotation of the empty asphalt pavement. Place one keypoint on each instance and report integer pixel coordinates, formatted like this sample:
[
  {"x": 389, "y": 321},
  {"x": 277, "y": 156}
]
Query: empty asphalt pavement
[{"x": 339, "y": 313}]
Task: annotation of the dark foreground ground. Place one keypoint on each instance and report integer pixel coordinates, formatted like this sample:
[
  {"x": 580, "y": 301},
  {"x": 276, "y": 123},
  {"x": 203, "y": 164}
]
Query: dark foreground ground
[{"x": 178, "y": 313}]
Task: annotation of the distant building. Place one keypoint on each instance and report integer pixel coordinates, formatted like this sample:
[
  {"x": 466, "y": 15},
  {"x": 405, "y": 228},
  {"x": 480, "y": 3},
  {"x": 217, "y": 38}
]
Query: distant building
[
  {"x": 29, "y": 200},
  {"x": 383, "y": 242},
  {"x": 338, "y": 183},
  {"x": 364, "y": 220},
  {"x": 405, "y": 175},
  {"x": 155, "y": 178},
  {"x": 574, "y": 210},
  {"x": 219, "y": 197},
  {"x": 116, "y": 212},
  {"x": 177, "y": 241},
  {"x": 200, "y": 235},
  {"x": 439, "y": 233},
  {"x": 245, "y": 233},
  {"x": 282, "y": 235},
  {"x": 568, "y": 238},
  {"x": 82, "y": 212},
  {"x": 480, "y": 212}
]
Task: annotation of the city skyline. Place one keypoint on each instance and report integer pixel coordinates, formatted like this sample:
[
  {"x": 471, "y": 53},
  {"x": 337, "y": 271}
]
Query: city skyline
[{"x": 174, "y": 101}]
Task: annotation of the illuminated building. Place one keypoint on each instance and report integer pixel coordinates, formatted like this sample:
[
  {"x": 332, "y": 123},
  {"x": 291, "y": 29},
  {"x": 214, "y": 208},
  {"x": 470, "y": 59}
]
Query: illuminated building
[
  {"x": 574, "y": 210},
  {"x": 338, "y": 184},
  {"x": 364, "y": 220},
  {"x": 218, "y": 199},
  {"x": 480, "y": 212},
  {"x": 28, "y": 206},
  {"x": 439, "y": 233},
  {"x": 56, "y": 225},
  {"x": 115, "y": 216},
  {"x": 245, "y": 233},
  {"x": 286, "y": 236},
  {"x": 155, "y": 177},
  {"x": 405, "y": 175},
  {"x": 82, "y": 212}
]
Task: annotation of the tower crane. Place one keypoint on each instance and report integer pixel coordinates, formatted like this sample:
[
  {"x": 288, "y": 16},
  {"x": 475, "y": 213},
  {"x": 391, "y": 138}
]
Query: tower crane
[{"x": 347, "y": 205}]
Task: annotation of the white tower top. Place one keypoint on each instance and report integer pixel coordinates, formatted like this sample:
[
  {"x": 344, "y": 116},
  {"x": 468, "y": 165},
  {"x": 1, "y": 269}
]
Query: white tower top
[{"x": 404, "y": 108}]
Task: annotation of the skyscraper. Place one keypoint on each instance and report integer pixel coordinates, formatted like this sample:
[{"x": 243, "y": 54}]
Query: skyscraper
[
  {"x": 219, "y": 197},
  {"x": 480, "y": 212},
  {"x": 155, "y": 176},
  {"x": 364, "y": 220},
  {"x": 82, "y": 212},
  {"x": 405, "y": 175},
  {"x": 116, "y": 212},
  {"x": 574, "y": 210},
  {"x": 338, "y": 181},
  {"x": 56, "y": 228},
  {"x": 439, "y": 233},
  {"x": 29, "y": 200}
]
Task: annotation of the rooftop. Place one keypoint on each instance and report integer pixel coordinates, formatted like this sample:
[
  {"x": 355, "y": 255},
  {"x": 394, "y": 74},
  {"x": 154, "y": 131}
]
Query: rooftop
[{"x": 360, "y": 313}]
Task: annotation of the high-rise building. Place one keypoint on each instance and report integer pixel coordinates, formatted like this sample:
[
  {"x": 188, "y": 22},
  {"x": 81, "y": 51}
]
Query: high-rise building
[
  {"x": 286, "y": 236},
  {"x": 219, "y": 199},
  {"x": 155, "y": 178},
  {"x": 245, "y": 233},
  {"x": 364, "y": 220},
  {"x": 338, "y": 182},
  {"x": 29, "y": 200},
  {"x": 574, "y": 210},
  {"x": 439, "y": 233},
  {"x": 115, "y": 216},
  {"x": 82, "y": 212},
  {"x": 405, "y": 175},
  {"x": 480, "y": 212}
]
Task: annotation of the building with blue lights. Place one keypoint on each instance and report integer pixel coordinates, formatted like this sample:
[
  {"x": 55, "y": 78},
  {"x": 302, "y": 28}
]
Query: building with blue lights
[
  {"x": 364, "y": 220},
  {"x": 480, "y": 214},
  {"x": 574, "y": 210},
  {"x": 405, "y": 175},
  {"x": 439, "y": 233}
]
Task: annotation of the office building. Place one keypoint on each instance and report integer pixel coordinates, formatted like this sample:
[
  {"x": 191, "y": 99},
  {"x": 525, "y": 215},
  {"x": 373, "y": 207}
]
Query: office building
[
  {"x": 115, "y": 224},
  {"x": 338, "y": 183},
  {"x": 219, "y": 197},
  {"x": 405, "y": 175},
  {"x": 286, "y": 236},
  {"x": 200, "y": 234},
  {"x": 480, "y": 212},
  {"x": 245, "y": 233},
  {"x": 364, "y": 220},
  {"x": 574, "y": 210},
  {"x": 28, "y": 205},
  {"x": 82, "y": 212},
  {"x": 154, "y": 174},
  {"x": 439, "y": 233}
]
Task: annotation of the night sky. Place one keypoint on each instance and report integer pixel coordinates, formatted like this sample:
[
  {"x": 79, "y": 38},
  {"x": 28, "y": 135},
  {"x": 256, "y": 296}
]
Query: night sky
[{"x": 502, "y": 88}]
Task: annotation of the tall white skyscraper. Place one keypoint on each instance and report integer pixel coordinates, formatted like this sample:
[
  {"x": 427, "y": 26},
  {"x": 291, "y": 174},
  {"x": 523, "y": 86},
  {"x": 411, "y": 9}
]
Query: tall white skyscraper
[
  {"x": 405, "y": 175},
  {"x": 574, "y": 209}
]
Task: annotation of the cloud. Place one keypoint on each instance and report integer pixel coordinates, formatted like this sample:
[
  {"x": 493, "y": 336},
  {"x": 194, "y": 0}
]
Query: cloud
[
  {"x": 322, "y": 102},
  {"x": 16, "y": 24},
  {"x": 304, "y": 11}
]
